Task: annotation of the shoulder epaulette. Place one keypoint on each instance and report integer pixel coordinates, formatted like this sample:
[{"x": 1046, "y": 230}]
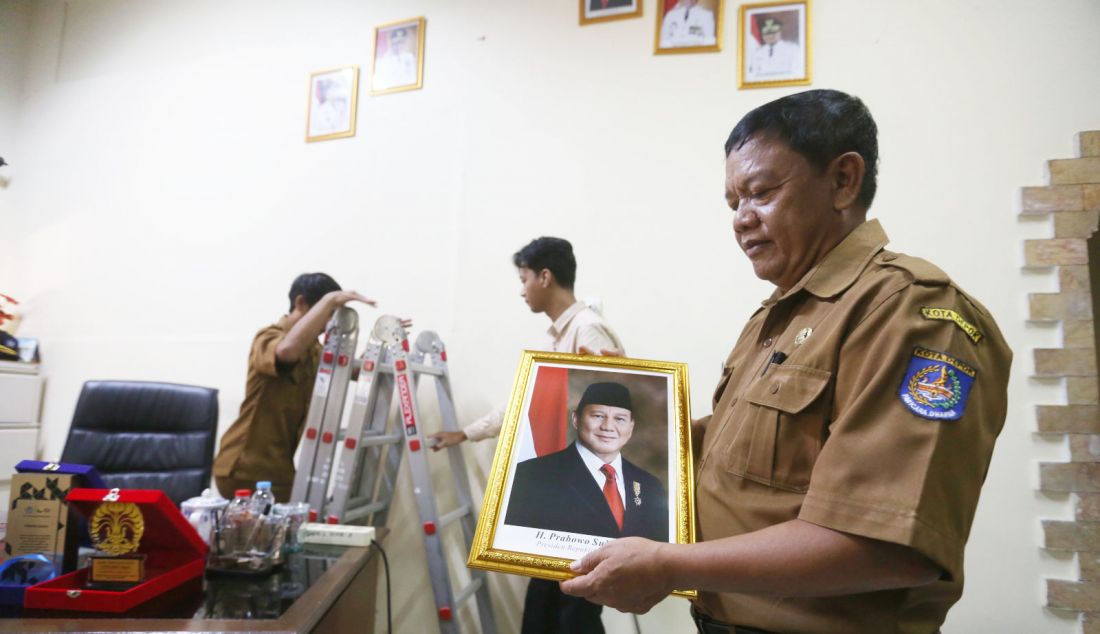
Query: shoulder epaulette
[{"x": 923, "y": 271}]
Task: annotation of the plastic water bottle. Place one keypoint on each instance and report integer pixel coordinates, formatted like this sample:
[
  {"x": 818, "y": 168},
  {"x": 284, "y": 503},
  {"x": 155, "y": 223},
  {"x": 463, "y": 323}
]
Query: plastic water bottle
[
  {"x": 237, "y": 521},
  {"x": 263, "y": 499}
]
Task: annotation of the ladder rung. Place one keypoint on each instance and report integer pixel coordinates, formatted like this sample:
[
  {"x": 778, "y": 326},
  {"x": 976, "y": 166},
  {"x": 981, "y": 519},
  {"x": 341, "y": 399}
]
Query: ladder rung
[
  {"x": 414, "y": 367},
  {"x": 354, "y": 513},
  {"x": 427, "y": 369},
  {"x": 446, "y": 519},
  {"x": 374, "y": 441},
  {"x": 462, "y": 597}
]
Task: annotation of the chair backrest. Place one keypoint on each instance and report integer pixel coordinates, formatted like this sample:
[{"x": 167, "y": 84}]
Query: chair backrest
[{"x": 145, "y": 435}]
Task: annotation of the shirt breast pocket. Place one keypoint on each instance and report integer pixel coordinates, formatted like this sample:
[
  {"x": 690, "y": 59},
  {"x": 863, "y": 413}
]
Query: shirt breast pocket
[{"x": 785, "y": 415}]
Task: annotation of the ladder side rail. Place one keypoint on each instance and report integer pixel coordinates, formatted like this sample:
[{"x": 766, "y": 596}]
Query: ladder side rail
[
  {"x": 479, "y": 581},
  {"x": 322, "y": 386},
  {"x": 423, "y": 492},
  {"x": 458, "y": 462},
  {"x": 334, "y": 411}
]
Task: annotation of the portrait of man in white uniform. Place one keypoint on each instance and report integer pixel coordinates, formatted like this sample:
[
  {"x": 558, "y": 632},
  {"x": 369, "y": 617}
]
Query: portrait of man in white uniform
[
  {"x": 774, "y": 44},
  {"x": 689, "y": 24},
  {"x": 397, "y": 52}
]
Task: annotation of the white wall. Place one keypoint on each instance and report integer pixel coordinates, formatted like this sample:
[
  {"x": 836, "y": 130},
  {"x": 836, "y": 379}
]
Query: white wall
[{"x": 161, "y": 197}]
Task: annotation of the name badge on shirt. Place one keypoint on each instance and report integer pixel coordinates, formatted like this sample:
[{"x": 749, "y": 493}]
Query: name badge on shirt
[{"x": 936, "y": 385}]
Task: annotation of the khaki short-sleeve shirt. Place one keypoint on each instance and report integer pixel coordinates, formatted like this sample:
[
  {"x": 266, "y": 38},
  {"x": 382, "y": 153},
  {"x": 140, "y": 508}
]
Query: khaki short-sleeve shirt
[
  {"x": 865, "y": 399},
  {"x": 260, "y": 444}
]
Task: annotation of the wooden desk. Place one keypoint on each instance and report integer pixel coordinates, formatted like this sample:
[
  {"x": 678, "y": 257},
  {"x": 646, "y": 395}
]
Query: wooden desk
[{"x": 340, "y": 600}]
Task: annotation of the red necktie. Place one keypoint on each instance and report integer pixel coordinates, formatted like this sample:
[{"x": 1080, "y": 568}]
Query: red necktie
[
  {"x": 604, "y": 3},
  {"x": 611, "y": 494}
]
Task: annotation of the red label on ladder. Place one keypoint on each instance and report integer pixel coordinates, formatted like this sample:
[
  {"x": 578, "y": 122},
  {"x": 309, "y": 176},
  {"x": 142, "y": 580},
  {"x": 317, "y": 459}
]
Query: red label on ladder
[{"x": 406, "y": 400}]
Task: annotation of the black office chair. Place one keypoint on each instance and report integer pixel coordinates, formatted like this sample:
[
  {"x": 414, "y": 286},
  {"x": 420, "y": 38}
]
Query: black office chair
[{"x": 144, "y": 435}]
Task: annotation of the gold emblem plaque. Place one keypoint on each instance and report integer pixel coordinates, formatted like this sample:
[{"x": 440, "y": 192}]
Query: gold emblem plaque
[{"x": 116, "y": 529}]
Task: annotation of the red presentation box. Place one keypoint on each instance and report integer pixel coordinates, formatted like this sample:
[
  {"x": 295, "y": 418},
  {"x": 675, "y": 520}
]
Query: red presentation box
[{"x": 174, "y": 554}]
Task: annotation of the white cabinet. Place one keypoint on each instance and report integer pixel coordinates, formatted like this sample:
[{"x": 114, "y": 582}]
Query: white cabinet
[{"x": 20, "y": 407}]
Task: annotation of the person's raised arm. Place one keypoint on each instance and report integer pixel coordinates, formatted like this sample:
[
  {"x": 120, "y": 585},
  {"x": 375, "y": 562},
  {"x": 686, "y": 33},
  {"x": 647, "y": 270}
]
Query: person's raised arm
[
  {"x": 792, "y": 559},
  {"x": 312, "y": 324}
]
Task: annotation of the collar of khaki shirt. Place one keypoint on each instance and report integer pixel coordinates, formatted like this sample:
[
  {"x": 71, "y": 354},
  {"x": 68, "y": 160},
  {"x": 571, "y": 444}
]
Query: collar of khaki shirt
[
  {"x": 840, "y": 267},
  {"x": 562, "y": 322}
]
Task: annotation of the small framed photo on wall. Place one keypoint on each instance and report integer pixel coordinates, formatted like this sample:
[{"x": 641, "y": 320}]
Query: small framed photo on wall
[
  {"x": 688, "y": 26},
  {"x": 398, "y": 57},
  {"x": 774, "y": 45},
  {"x": 592, "y": 449},
  {"x": 332, "y": 103},
  {"x": 592, "y": 11}
]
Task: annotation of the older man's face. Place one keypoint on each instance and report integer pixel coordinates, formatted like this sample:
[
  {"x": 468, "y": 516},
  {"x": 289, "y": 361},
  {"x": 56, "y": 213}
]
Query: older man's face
[
  {"x": 784, "y": 219},
  {"x": 604, "y": 429}
]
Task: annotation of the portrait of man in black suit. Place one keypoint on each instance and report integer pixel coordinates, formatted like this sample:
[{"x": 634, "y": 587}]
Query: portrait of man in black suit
[{"x": 589, "y": 487}]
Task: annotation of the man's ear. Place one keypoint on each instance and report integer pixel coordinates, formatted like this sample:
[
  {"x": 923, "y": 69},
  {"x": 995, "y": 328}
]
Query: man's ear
[
  {"x": 573, "y": 415},
  {"x": 546, "y": 278},
  {"x": 846, "y": 172},
  {"x": 300, "y": 304}
]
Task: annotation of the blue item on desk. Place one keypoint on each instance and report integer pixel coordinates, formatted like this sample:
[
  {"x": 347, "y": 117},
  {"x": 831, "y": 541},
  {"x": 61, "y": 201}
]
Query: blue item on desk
[
  {"x": 92, "y": 479},
  {"x": 21, "y": 572}
]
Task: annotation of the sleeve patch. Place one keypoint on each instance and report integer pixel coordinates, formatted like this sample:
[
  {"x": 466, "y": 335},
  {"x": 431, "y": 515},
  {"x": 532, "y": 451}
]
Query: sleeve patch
[
  {"x": 936, "y": 385},
  {"x": 946, "y": 314}
]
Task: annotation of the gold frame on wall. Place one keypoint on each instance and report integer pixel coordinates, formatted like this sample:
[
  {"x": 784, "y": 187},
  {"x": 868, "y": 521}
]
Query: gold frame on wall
[
  {"x": 636, "y": 13},
  {"x": 420, "y": 23},
  {"x": 803, "y": 6},
  {"x": 706, "y": 48},
  {"x": 353, "y": 108},
  {"x": 515, "y": 548}
]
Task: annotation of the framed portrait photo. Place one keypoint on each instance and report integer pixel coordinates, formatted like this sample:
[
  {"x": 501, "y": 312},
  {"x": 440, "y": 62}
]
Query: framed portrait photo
[
  {"x": 332, "y": 103},
  {"x": 688, "y": 26},
  {"x": 592, "y": 449},
  {"x": 398, "y": 57},
  {"x": 592, "y": 11},
  {"x": 773, "y": 44}
]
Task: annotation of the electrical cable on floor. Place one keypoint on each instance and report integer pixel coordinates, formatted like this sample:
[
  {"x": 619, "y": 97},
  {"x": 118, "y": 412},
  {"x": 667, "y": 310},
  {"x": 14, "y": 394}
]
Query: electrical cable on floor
[{"x": 386, "y": 565}]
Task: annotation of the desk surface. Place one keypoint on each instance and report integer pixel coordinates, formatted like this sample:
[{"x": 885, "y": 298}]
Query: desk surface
[{"x": 339, "y": 588}]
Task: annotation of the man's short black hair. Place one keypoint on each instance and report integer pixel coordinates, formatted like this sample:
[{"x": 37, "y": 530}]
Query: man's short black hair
[
  {"x": 554, "y": 254},
  {"x": 312, "y": 287},
  {"x": 820, "y": 125}
]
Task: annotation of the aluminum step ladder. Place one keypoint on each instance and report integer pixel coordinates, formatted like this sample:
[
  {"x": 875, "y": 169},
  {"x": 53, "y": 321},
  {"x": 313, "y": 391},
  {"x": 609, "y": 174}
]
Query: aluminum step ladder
[{"x": 368, "y": 454}]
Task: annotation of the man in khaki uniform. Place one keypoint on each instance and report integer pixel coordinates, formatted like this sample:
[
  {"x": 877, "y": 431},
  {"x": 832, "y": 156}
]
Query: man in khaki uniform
[
  {"x": 282, "y": 366},
  {"x": 855, "y": 419}
]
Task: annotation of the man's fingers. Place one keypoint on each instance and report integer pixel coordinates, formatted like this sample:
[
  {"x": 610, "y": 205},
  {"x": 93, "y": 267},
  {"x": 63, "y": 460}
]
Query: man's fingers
[
  {"x": 586, "y": 564},
  {"x": 584, "y": 350},
  {"x": 577, "y": 586}
]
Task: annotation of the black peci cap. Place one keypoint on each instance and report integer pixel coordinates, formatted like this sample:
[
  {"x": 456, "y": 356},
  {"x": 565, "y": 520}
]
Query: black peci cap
[{"x": 612, "y": 394}]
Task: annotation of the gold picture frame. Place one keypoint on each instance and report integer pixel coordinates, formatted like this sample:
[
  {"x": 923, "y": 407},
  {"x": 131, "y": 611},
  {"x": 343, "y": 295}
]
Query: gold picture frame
[
  {"x": 781, "y": 56},
  {"x": 543, "y": 505},
  {"x": 394, "y": 68},
  {"x": 592, "y": 11},
  {"x": 688, "y": 26},
  {"x": 332, "y": 104}
]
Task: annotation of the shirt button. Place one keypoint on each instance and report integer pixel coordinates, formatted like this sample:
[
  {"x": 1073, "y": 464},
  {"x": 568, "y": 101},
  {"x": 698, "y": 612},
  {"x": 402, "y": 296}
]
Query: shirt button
[
  {"x": 767, "y": 342},
  {"x": 775, "y": 388}
]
